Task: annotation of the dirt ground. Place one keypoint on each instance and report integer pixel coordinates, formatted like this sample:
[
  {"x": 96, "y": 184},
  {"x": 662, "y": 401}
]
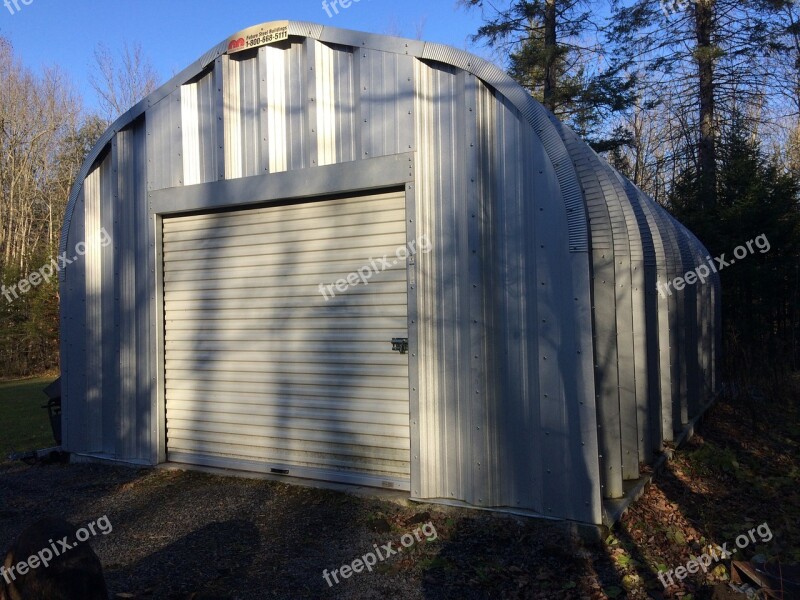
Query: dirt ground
[{"x": 182, "y": 534}]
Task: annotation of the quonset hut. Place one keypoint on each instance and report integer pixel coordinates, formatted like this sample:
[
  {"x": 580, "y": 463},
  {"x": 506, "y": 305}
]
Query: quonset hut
[{"x": 362, "y": 259}]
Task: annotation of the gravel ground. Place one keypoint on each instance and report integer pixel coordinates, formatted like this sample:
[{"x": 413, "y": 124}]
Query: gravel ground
[{"x": 185, "y": 534}]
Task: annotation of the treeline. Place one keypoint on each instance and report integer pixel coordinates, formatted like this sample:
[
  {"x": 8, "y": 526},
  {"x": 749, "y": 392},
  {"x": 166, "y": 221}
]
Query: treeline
[
  {"x": 698, "y": 103},
  {"x": 45, "y": 134}
]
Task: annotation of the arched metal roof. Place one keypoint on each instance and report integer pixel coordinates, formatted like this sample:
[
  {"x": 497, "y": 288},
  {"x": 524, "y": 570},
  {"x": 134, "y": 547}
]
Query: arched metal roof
[{"x": 492, "y": 75}]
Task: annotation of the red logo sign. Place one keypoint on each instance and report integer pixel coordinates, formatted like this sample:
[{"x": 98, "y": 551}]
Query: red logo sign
[{"x": 236, "y": 44}]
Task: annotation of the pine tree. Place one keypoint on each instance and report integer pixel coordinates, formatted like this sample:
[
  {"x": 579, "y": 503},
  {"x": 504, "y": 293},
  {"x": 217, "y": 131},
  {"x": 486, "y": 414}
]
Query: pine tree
[
  {"x": 755, "y": 198},
  {"x": 555, "y": 52},
  {"x": 710, "y": 55}
]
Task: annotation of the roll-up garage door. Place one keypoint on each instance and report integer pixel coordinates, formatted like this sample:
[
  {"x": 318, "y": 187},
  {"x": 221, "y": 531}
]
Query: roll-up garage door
[{"x": 273, "y": 361}]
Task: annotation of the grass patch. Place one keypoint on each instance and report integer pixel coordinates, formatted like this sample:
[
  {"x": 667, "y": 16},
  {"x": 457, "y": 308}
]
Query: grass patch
[{"x": 23, "y": 422}]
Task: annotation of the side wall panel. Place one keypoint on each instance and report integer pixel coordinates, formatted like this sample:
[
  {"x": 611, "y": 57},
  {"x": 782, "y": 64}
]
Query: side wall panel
[
  {"x": 93, "y": 259},
  {"x": 476, "y": 441},
  {"x": 73, "y": 340}
]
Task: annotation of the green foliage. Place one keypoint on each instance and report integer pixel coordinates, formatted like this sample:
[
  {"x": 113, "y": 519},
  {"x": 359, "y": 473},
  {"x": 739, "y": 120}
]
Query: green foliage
[
  {"x": 30, "y": 323},
  {"x": 761, "y": 293},
  {"x": 709, "y": 459},
  {"x": 24, "y": 424}
]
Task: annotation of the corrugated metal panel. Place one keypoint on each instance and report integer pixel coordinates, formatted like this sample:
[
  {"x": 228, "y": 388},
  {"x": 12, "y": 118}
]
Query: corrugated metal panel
[
  {"x": 597, "y": 208},
  {"x": 674, "y": 268},
  {"x": 165, "y": 163},
  {"x": 208, "y": 147},
  {"x": 109, "y": 343},
  {"x": 638, "y": 235},
  {"x": 386, "y": 104},
  {"x": 605, "y": 315},
  {"x": 93, "y": 259},
  {"x": 568, "y": 421},
  {"x": 693, "y": 325},
  {"x": 646, "y": 326},
  {"x": 325, "y": 101},
  {"x": 73, "y": 339},
  {"x": 304, "y": 28},
  {"x": 298, "y": 135},
  {"x": 273, "y": 98},
  {"x": 199, "y": 130},
  {"x": 333, "y": 96},
  {"x": 624, "y": 239},
  {"x": 241, "y": 83},
  {"x": 439, "y": 429},
  {"x": 190, "y": 131},
  {"x": 705, "y": 315},
  {"x": 261, "y": 367},
  {"x": 543, "y": 124},
  {"x": 125, "y": 240},
  {"x": 133, "y": 314},
  {"x": 231, "y": 99},
  {"x": 686, "y": 312},
  {"x": 577, "y": 216},
  {"x": 493, "y": 298}
]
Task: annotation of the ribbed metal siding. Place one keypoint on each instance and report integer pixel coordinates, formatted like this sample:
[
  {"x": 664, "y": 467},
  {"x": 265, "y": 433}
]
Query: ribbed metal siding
[
  {"x": 639, "y": 237},
  {"x": 73, "y": 339},
  {"x": 627, "y": 249},
  {"x": 134, "y": 315},
  {"x": 164, "y": 126},
  {"x": 199, "y": 130},
  {"x": 675, "y": 330},
  {"x": 544, "y": 124},
  {"x": 650, "y": 422},
  {"x": 615, "y": 405},
  {"x": 501, "y": 324},
  {"x": 96, "y": 316},
  {"x": 107, "y": 311},
  {"x": 261, "y": 368}
]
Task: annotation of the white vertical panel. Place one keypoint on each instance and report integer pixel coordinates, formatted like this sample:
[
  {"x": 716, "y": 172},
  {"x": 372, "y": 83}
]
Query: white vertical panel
[
  {"x": 326, "y": 110},
  {"x": 94, "y": 313},
  {"x": 432, "y": 484},
  {"x": 275, "y": 67},
  {"x": 190, "y": 130},
  {"x": 233, "y": 118}
]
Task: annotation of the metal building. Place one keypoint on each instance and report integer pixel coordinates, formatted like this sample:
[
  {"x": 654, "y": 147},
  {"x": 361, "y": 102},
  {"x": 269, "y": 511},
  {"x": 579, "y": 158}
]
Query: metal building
[{"x": 542, "y": 365}]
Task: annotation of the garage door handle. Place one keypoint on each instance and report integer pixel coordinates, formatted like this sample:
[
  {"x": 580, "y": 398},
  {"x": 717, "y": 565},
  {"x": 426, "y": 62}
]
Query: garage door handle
[{"x": 400, "y": 345}]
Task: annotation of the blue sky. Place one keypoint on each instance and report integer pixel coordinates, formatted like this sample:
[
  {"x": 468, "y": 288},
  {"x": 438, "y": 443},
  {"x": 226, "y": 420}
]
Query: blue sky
[{"x": 175, "y": 33}]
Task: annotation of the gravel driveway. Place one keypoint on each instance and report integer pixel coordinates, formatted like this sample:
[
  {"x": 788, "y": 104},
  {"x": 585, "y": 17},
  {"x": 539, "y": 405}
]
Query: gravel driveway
[{"x": 185, "y": 534}]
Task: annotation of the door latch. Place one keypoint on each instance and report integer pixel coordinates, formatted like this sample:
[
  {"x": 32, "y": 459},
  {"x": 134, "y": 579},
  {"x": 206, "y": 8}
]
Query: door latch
[{"x": 400, "y": 345}]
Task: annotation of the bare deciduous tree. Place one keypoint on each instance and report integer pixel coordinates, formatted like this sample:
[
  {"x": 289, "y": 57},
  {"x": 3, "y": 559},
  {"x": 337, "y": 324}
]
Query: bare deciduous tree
[
  {"x": 36, "y": 115},
  {"x": 121, "y": 82}
]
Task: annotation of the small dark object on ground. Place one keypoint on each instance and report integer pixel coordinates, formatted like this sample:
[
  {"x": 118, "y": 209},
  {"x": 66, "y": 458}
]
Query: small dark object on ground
[
  {"x": 56, "y": 457},
  {"x": 75, "y": 574},
  {"x": 53, "y": 406},
  {"x": 45, "y": 457}
]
